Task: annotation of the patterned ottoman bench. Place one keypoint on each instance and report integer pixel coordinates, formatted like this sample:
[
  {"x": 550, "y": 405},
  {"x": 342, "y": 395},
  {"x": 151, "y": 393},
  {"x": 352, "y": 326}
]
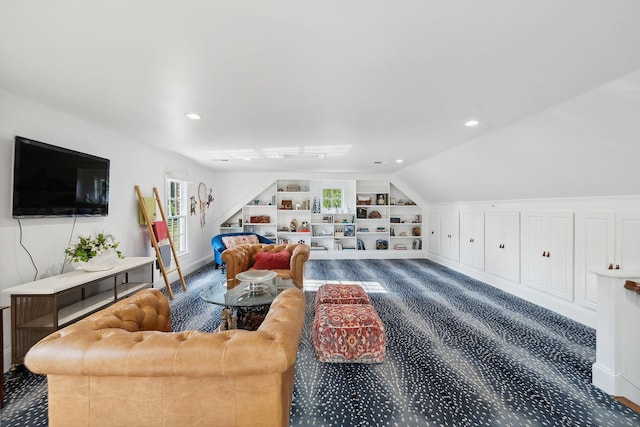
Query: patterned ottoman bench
[
  {"x": 331, "y": 293},
  {"x": 348, "y": 333}
]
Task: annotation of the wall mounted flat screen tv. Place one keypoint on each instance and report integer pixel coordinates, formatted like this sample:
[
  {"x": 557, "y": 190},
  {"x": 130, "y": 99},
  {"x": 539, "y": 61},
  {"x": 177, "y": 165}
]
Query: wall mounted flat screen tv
[{"x": 54, "y": 181}]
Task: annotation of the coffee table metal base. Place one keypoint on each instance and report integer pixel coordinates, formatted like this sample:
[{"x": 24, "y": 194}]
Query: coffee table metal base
[{"x": 245, "y": 306}]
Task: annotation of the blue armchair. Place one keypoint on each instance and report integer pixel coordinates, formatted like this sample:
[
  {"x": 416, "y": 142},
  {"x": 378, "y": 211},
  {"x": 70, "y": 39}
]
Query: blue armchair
[{"x": 219, "y": 247}]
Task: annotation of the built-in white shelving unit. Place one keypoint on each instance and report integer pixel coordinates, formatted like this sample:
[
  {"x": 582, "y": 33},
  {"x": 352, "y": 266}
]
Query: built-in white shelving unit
[{"x": 341, "y": 218}]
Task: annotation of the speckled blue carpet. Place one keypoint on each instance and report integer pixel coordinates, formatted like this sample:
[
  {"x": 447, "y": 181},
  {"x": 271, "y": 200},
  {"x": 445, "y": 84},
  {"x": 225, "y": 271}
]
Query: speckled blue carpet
[{"x": 459, "y": 353}]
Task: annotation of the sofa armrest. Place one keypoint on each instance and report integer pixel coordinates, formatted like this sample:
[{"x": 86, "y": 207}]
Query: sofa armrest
[
  {"x": 237, "y": 260},
  {"x": 147, "y": 310},
  {"x": 298, "y": 262},
  {"x": 117, "y": 352}
]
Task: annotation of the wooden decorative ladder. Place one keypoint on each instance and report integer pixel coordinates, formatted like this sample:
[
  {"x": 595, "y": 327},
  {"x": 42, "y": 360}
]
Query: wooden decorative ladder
[{"x": 154, "y": 240}]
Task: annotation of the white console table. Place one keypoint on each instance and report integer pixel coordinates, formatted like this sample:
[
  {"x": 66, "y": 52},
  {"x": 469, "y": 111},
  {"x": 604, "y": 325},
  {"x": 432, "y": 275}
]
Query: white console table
[
  {"x": 617, "y": 370},
  {"x": 44, "y": 306}
]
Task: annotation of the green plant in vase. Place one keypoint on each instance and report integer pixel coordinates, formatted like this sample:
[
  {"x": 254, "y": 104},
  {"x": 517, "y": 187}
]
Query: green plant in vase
[{"x": 94, "y": 253}]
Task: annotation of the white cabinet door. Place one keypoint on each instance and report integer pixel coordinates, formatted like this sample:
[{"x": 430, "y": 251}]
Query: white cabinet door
[
  {"x": 627, "y": 241},
  {"x": 493, "y": 243},
  {"x": 547, "y": 252},
  {"x": 603, "y": 240},
  {"x": 472, "y": 239},
  {"x": 449, "y": 234},
  {"x": 502, "y": 244},
  {"x": 595, "y": 249},
  {"x": 560, "y": 255},
  {"x": 434, "y": 232},
  {"x": 534, "y": 250},
  {"x": 511, "y": 245}
]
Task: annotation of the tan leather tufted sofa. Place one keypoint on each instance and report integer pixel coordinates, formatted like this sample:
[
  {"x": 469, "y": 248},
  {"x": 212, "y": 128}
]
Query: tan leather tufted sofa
[
  {"x": 123, "y": 366},
  {"x": 242, "y": 257}
]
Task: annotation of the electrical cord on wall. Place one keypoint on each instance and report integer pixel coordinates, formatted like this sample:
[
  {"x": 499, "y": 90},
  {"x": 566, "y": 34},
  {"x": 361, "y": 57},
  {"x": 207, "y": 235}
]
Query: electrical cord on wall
[
  {"x": 27, "y": 251},
  {"x": 73, "y": 227}
]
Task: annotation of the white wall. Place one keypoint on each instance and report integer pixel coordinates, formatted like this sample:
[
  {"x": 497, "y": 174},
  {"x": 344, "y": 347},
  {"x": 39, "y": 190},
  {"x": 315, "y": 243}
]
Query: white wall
[
  {"x": 588, "y": 146},
  {"x": 131, "y": 163}
]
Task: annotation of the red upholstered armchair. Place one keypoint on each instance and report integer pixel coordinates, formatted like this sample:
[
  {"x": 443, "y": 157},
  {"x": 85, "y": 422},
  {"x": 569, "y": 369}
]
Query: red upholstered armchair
[{"x": 248, "y": 257}]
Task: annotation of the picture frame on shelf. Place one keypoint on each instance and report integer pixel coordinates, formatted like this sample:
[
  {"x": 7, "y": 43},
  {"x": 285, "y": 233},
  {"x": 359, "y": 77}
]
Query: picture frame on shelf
[
  {"x": 349, "y": 231},
  {"x": 361, "y": 213},
  {"x": 381, "y": 199},
  {"x": 382, "y": 244},
  {"x": 287, "y": 205}
]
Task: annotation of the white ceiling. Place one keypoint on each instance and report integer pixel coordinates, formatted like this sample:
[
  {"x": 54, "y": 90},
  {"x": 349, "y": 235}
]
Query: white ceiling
[{"x": 380, "y": 79}]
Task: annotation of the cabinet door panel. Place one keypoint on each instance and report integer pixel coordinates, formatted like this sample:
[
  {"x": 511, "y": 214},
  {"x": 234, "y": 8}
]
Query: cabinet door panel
[
  {"x": 595, "y": 248},
  {"x": 434, "y": 233},
  {"x": 472, "y": 239},
  {"x": 560, "y": 255},
  {"x": 502, "y": 244},
  {"x": 466, "y": 234},
  {"x": 511, "y": 237},
  {"x": 478, "y": 237},
  {"x": 445, "y": 239},
  {"x": 493, "y": 240},
  {"x": 449, "y": 229},
  {"x": 628, "y": 241},
  {"x": 534, "y": 263}
]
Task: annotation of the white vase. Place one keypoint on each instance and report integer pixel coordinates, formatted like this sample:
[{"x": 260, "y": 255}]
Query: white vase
[{"x": 105, "y": 261}]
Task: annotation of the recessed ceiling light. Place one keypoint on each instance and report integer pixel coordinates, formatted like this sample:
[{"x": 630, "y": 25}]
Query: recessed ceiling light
[
  {"x": 378, "y": 162},
  {"x": 399, "y": 160},
  {"x": 193, "y": 116},
  {"x": 472, "y": 123}
]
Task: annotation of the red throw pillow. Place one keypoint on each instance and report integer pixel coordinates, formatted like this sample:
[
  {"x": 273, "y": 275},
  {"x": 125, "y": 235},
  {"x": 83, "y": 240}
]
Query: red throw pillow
[{"x": 272, "y": 260}]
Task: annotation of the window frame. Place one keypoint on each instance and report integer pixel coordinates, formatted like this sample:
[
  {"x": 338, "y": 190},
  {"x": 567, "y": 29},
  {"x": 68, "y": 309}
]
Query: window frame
[
  {"x": 331, "y": 195},
  {"x": 177, "y": 196}
]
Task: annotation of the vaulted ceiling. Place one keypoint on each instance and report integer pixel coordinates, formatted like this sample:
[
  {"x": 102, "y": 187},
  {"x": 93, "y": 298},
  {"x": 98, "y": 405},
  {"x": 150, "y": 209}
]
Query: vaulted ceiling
[{"x": 322, "y": 86}]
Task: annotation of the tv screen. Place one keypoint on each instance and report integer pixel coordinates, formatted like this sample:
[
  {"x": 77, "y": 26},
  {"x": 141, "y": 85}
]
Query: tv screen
[{"x": 56, "y": 181}]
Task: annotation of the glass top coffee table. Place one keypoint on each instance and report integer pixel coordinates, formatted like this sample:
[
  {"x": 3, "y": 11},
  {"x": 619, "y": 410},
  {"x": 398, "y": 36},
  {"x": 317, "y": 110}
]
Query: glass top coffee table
[{"x": 246, "y": 305}]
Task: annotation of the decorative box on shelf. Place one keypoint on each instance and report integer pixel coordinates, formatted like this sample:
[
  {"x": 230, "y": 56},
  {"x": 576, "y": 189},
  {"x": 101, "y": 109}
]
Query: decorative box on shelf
[
  {"x": 260, "y": 219},
  {"x": 364, "y": 200}
]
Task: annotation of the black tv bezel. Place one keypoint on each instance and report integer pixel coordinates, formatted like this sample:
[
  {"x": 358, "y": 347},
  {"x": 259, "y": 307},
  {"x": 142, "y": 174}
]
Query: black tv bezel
[{"x": 19, "y": 140}]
